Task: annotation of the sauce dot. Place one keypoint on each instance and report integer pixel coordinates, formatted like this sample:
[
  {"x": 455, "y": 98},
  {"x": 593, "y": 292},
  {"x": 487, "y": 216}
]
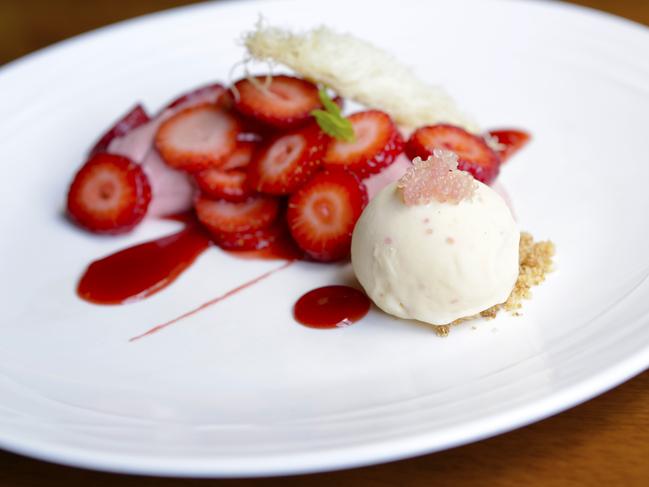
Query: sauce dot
[{"x": 331, "y": 307}]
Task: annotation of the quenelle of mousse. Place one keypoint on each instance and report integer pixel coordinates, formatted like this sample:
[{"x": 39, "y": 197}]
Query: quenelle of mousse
[{"x": 437, "y": 245}]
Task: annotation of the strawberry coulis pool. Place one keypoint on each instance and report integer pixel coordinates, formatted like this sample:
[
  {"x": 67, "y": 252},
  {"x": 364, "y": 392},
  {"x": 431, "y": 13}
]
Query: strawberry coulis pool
[
  {"x": 142, "y": 270},
  {"x": 331, "y": 307},
  {"x": 139, "y": 271}
]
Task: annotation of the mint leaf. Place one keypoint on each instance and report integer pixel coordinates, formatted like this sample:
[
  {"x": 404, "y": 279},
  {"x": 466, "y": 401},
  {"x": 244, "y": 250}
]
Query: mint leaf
[
  {"x": 335, "y": 126},
  {"x": 331, "y": 120},
  {"x": 330, "y": 105}
]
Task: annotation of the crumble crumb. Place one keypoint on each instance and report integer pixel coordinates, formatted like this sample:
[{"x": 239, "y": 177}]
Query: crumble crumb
[{"x": 535, "y": 261}]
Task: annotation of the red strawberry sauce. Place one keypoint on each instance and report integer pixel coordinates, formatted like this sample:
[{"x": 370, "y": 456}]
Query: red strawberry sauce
[
  {"x": 144, "y": 269},
  {"x": 215, "y": 300},
  {"x": 331, "y": 307}
]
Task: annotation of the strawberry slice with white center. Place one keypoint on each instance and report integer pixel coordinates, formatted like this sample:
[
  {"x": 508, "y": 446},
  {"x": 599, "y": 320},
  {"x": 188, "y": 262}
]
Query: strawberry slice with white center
[
  {"x": 230, "y": 180},
  {"x": 510, "y": 141},
  {"x": 220, "y": 216},
  {"x": 135, "y": 117},
  {"x": 241, "y": 157},
  {"x": 475, "y": 156},
  {"x": 197, "y": 138},
  {"x": 284, "y": 102},
  {"x": 109, "y": 194},
  {"x": 377, "y": 145},
  {"x": 287, "y": 161},
  {"x": 321, "y": 214},
  {"x": 228, "y": 185}
]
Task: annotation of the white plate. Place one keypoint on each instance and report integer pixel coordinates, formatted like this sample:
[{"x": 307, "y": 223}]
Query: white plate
[{"x": 241, "y": 389}]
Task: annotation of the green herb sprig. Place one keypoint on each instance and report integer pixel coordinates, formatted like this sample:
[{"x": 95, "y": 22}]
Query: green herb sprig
[{"x": 331, "y": 120}]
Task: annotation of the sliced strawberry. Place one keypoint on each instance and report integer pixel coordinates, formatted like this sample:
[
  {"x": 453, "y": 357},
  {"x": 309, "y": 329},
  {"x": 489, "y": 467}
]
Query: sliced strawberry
[
  {"x": 274, "y": 242},
  {"x": 203, "y": 94},
  {"x": 287, "y": 161},
  {"x": 134, "y": 118},
  {"x": 510, "y": 140},
  {"x": 241, "y": 157},
  {"x": 220, "y": 216},
  {"x": 475, "y": 156},
  {"x": 197, "y": 138},
  {"x": 377, "y": 145},
  {"x": 253, "y": 130},
  {"x": 230, "y": 181},
  {"x": 259, "y": 239},
  {"x": 285, "y": 102},
  {"x": 109, "y": 194},
  {"x": 228, "y": 185},
  {"x": 321, "y": 214}
]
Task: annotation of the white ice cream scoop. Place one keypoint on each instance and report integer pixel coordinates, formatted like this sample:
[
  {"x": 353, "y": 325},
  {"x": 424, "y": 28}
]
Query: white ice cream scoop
[{"x": 436, "y": 262}]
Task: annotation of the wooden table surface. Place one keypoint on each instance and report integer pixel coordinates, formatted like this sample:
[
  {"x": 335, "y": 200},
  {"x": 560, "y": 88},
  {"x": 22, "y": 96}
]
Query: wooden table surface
[{"x": 602, "y": 442}]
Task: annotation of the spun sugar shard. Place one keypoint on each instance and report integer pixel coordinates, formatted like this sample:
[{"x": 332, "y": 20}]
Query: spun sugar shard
[{"x": 358, "y": 70}]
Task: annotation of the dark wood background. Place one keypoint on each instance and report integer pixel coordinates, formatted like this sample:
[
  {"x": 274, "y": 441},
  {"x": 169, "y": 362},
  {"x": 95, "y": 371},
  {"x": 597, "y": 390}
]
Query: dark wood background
[{"x": 602, "y": 442}]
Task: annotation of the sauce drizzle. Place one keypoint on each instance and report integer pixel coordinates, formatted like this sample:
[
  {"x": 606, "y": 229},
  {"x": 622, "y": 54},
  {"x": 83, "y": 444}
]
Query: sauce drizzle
[
  {"x": 142, "y": 270},
  {"x": 213, "y": 301}
]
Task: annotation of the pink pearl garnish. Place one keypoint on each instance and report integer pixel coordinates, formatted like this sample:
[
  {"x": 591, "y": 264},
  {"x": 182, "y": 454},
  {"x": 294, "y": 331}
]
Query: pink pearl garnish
[{"x": 436, "y": 178}]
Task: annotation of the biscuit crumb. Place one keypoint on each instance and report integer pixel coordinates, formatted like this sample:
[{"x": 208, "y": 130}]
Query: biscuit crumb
[
  {"x": 535, "y": 261},
  {"x": 442, "y": 330}
]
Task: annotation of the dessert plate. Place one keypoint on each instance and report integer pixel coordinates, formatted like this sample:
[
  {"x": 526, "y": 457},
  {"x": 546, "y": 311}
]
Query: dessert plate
[{"x": 240, "y": 389}]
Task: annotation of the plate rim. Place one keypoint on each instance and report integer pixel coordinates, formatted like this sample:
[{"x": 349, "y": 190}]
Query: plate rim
[{"x": 378, "y": 452}]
